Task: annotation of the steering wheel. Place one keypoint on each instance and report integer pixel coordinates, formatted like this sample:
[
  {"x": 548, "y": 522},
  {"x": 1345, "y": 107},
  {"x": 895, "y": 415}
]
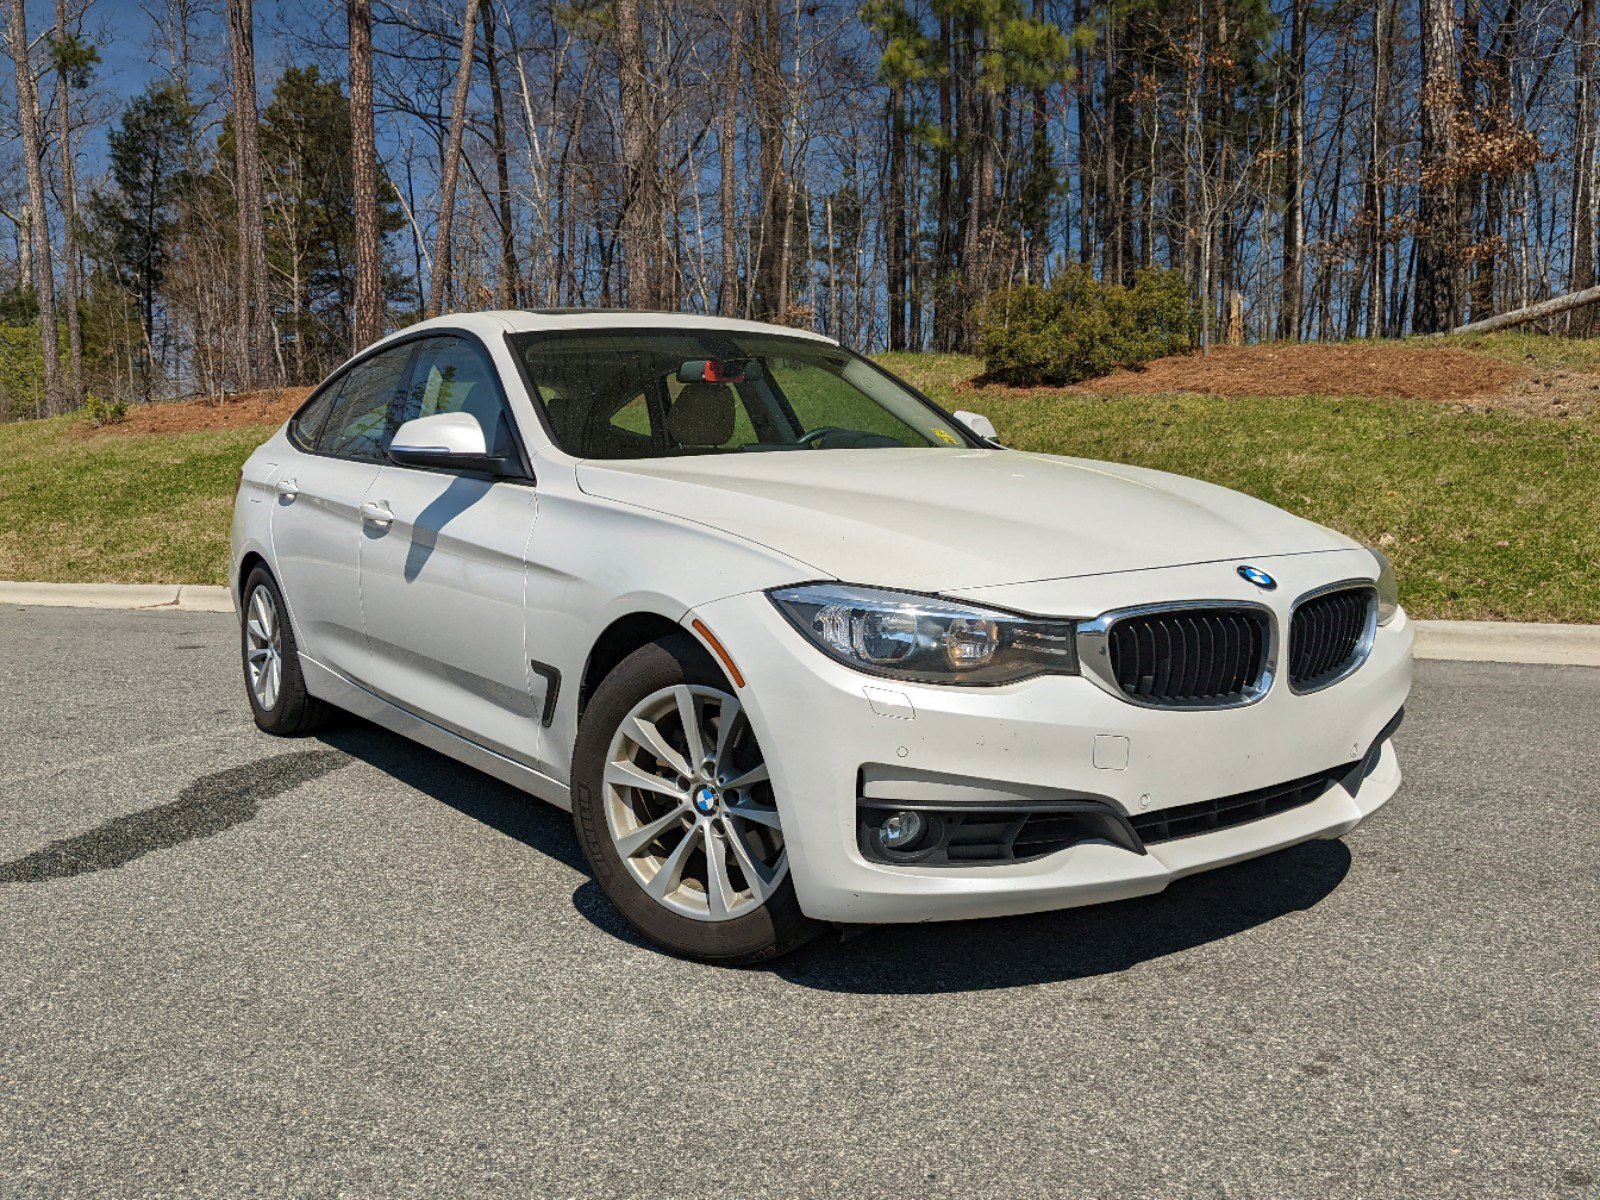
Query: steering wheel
[{"x": 816, "y": 435}]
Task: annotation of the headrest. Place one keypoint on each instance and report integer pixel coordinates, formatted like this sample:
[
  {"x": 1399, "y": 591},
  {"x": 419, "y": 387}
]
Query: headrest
[{"x": 702, "y": 415}]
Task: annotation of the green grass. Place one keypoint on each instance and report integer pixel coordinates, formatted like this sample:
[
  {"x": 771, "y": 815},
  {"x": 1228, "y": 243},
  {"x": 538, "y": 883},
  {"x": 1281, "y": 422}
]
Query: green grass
[
  {"x": 137, "y": 509},
  {"x": 1536, "y": 350},
  {"x": 1486, "y": 515}
]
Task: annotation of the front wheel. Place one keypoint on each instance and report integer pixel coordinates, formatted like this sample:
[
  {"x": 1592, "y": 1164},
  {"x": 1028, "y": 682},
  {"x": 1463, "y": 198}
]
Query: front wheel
[{"x": 675, "y": 812}]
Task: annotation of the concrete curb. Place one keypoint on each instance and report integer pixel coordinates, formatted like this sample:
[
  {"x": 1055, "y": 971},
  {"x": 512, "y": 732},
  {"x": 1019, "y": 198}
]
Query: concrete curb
[
  {"x": 1509, "y": 642},
  {"x": 160, "y": 597},
  {"x": 1461, "y": 641}
]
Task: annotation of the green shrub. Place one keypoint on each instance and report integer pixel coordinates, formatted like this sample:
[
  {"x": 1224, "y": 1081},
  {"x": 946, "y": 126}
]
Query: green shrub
[
  {"x": 1078, "y": 327},
  {"x": 21, "y": 372},
  {"x": 104, "y": 412}
]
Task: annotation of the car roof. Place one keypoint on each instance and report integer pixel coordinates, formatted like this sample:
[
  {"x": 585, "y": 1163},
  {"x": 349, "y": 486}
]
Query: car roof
[{"x": 541, "y": 320}]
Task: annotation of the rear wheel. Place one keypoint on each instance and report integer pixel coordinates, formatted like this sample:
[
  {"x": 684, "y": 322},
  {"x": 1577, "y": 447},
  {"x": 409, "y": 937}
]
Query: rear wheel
[
  {"x": 675, "y": 810},
  {"x": 272, "y": 677}
]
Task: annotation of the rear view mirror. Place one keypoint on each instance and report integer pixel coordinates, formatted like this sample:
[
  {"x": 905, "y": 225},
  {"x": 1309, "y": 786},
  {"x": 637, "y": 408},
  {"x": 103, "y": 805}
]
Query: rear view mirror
[
  {"x": 450, "y": 441},
  {"x": 978, "y": 424},
  {"x": 713, "y": 370}
]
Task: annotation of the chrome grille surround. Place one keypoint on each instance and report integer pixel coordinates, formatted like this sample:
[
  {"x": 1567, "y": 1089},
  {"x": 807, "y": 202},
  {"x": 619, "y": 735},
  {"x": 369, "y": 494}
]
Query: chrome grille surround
[
  {"x": 1359, "y": 652},
  {"x": 1096, "y": 661}
]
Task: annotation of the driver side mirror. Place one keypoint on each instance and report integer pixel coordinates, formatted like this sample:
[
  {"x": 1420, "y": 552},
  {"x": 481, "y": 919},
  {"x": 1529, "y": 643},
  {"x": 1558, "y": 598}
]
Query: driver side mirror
[
  {"x": 978, "y": 424},
  {"x": 450, "y": 441}
]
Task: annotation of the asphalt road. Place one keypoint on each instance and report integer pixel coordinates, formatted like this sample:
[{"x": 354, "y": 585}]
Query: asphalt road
[{"x": 236, "y": 966}]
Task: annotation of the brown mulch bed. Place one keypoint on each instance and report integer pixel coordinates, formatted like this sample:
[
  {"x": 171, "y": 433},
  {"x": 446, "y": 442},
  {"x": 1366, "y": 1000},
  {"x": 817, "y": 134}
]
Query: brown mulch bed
[
  {"x": 1444, "y": 375},
  {"x": 271, "y": 407}
]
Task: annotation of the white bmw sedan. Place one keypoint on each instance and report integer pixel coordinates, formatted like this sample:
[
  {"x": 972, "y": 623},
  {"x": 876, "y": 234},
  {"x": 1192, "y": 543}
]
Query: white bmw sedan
[{"x": 794, "y": 645}]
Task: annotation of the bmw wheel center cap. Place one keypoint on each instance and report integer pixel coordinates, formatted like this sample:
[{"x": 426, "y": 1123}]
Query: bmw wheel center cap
[
  {"x": 1258, "y": 577},
  {"x": 706, "y": 799}
]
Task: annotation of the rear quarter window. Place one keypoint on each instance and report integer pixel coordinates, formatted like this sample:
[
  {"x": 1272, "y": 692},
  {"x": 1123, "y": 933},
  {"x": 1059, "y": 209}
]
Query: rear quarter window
[{"x": 306, "y": 425}]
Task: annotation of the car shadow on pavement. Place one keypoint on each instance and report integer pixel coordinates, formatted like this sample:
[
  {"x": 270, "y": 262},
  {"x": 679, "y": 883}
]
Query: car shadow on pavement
[
  {"x": 952, "y": 956},
  {"x": 503, "y": 808},
  {"x": 1075, "y": 943}
]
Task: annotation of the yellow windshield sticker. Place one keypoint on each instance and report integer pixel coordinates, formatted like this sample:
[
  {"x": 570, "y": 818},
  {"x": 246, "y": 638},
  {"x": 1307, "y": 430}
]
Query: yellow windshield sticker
[{"x": 946, "y": 436}]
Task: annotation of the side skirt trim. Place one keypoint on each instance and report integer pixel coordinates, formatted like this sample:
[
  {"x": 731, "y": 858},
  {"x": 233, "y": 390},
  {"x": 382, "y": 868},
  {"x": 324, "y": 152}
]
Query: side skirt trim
[{"x": 329, "y": 685}]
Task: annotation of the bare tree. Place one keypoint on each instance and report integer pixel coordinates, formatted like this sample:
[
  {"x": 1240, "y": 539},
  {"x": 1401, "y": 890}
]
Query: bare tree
[
  {"x": 727, "y": 147},
  {"x": 65, "y": 50},
  {"x": 439, "y": 289},
  {"x": 364, "y": 178},
  {"x": 260, "y": 360},
  {"x": 641, "y": 198},
  {"x": 1294, "y": 208},
  {"x": 1584, "y": 200},
  {"x": 770, "y": 89},
  {"x": 506, "y": 278},
  {"x": 1438, "y": 217},
  {"x": 44, "y": 282}
]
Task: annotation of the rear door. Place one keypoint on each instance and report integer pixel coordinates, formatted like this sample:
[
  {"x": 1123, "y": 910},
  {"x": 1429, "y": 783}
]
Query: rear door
[
  {"x": 442, "y": 568},
  {"x": 316, "y": 518}
]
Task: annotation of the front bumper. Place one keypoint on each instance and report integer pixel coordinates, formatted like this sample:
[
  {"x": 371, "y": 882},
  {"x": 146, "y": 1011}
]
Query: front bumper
[{"x": 825, "y": 728}]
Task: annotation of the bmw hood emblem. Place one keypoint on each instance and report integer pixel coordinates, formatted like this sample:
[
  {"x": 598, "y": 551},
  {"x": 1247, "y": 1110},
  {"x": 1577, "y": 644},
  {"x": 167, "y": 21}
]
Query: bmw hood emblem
[{"x": 1258, "y": 577}]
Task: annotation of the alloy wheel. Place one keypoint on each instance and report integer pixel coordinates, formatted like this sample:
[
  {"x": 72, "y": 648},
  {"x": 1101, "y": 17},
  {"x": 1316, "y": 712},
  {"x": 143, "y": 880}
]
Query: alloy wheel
[
  {"x": 264, "y": 647},
  {"x": 689, "y": 805}
]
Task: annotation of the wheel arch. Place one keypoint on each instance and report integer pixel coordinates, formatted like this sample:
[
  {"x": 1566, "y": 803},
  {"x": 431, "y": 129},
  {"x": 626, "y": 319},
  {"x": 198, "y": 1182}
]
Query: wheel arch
[
  {"x": 620, "y": 638},
  {"x": 251, "y": 560}
]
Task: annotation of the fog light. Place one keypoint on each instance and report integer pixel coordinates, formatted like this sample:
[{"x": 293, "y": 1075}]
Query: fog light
[{"x": 901, "y": 830}]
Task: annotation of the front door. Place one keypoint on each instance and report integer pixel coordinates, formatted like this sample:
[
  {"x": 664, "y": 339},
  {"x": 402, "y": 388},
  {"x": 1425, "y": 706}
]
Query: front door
[
  {"x": 316, "y": 516},
  {"x": 442, "y": 557}
]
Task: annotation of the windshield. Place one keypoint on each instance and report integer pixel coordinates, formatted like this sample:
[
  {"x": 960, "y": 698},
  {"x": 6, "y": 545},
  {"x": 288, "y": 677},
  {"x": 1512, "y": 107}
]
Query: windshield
[{"x": 654, "y": 393}]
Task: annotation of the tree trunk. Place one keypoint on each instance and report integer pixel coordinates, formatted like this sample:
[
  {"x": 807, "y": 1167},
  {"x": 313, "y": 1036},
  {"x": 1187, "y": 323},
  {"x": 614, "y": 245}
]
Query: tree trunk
[
  {"x": 640, "y": 216},
  {"x": 896, "y": 214},
  {"x": 977, "y": 170},
  {"x": 728, "y": 192},
  {"x": 364, "y": 179},
  {"x": 1042, "y": 174},
  {"x": 1583, "y": 169},
  {"x": 69, "y": 217},
  {"x": 944, "y": 216},
  {"x": 1113, "y": 224},
  {"x": 1571, "y": 302},
  {"x": 44, "y": 279},
  {"x": 1438, "y": 273},
  {"x": 1377, "y": 154},
  {"x": 255, "y": 304},
  {"x": 506, "y": 281},
  {"x": 450, "y": 172},
  {"x": 1083, "y": 88},
  {"x": 766, "y": 73},
  {"x": 1294, "y": 201}
]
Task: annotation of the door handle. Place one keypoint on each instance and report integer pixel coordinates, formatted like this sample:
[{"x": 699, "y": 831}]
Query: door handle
[
  {"x": 288, "y": 488},
  {"x": 377, "y": 512}
]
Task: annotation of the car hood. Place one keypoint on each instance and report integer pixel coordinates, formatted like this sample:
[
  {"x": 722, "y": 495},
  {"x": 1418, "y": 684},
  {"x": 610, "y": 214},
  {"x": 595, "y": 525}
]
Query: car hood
[{"x": 941, "y": 519}]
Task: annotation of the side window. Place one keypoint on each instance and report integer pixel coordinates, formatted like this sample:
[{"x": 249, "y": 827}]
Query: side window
[
  {"x": 359, "y": 425},
  {"x": 306, "y": 424},
  {"x": 452, "y": 375}
]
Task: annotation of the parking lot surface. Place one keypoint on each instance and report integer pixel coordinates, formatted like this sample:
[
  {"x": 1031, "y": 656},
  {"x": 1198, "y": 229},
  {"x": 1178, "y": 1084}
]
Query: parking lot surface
[{"x": 235, "y": 966}]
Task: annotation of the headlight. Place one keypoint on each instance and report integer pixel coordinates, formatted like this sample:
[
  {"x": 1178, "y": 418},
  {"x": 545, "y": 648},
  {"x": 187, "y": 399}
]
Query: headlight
[
  {"x": 1388, "y": 588},
  {"x": 927, "y": 639}
]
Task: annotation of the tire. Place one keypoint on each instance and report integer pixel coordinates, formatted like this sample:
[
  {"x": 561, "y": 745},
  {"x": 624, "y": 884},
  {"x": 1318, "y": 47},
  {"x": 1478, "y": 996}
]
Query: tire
[
  {"x": 280, "y": 704},
  {"x": 655, "y": 849}
]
